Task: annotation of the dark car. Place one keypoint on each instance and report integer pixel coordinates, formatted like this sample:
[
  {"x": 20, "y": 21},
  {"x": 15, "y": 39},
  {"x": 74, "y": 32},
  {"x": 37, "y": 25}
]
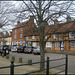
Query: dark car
[
  {"x": 21, "y": 49},
  {"x": 4, "y": 49},
  {"x": 9, "y": 48},
  {"x": 28, "y": 49},
  {"x": 1, "y": 51}
]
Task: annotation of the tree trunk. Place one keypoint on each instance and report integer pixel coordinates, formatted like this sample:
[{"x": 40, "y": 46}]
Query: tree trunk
[{"x": 42, "y": 47}]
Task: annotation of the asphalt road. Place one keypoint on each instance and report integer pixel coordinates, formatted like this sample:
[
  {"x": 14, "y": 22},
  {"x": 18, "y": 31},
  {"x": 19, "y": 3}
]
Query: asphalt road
[{"x": 36, "y": 58}]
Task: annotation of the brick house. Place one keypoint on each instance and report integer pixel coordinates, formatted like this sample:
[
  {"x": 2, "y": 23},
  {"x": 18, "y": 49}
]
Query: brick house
[{"x": 62, "y": 35}]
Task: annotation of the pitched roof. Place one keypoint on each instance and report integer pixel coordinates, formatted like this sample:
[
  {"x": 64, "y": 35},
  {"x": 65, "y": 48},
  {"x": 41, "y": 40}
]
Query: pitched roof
[
  {"x": 61, "y": 28},
  {"x": 20, "y": 24}
]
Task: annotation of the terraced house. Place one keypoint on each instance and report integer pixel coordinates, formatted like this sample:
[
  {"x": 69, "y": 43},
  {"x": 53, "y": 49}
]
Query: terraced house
[
  {"x": 62, "y": 36},
  {"x": 5, "y": 38}
]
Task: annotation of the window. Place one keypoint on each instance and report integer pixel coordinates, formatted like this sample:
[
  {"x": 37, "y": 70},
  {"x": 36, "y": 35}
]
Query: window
[
  {"x": 33, "y": 37},
  {"x": 29, "y": 43},
  {"x": 72, "y": 44},
  {"x": 15, "y": 43},
  {"x": 55, "y": 36},
  {"x": 21, "y": 42},
  {"x": 27, "y": 37},
  {"x": 34, "y": 44},
  {"x": 21, "y": 35},
  {"x": 57, "y": 44},
  {"x": 15, "y": 36},
  {"x": 45, "y": 37},
  {"x": 71, "y": 34},
  {"x": 21, "y": 29},
  {"x": 48, "y": 44},
  {"x": 15, "y": 30}
]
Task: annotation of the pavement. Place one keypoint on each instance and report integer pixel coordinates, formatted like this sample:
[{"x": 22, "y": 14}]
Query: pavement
[{"x": 18, "y": 70}]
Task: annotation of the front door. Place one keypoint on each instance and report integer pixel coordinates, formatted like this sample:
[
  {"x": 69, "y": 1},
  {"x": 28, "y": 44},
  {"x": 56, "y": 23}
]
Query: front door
[{"x": 62, "y": 45}]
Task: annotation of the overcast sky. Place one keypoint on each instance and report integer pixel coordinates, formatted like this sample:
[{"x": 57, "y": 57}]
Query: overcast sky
[{"x": 12, "y": 5}]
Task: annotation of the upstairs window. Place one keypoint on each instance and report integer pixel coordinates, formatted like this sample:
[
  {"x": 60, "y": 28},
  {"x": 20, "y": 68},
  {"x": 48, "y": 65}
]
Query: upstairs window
[
  {"x": 46, "y": 37},
  {"x": 72, "y": 44},
  {"x": 57, "y": 44},
  {"x": 48, "y": 44},
  {"x": 55, "y": 36},
  {"x": 27, "y": 37},
  {"x": 33, "y": 37},
  {"x": 15, "y": 43},
  {"x": 71, "y": 34},
  {"x": 15, "y": 30},
  {"x": 21, "y": 35},
  {"x": 15, "y": 36},
  {"x": 21, "y": 29}
]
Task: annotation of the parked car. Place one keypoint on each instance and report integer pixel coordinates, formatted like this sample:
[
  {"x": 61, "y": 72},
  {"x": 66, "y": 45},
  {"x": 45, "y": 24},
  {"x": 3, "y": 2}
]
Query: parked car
[
  {"x": 9, "y": 48},
  {"x": 21, "y": 49},
  {"x": 14, "y": 48},
  {"x": 4, "y": 49},
  {"x": 28, "y": 49},
  {"x": 36, "y": 50},
  {"x": 1, "y": 51}
]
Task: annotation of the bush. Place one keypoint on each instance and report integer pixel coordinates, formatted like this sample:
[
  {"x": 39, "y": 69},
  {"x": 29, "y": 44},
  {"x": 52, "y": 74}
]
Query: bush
[
  {"x": 20, "y": 60},
  {"x": 13, "y": 58}
]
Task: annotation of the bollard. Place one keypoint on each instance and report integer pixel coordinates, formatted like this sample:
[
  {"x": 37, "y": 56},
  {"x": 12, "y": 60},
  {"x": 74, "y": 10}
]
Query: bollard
[
  {"x": 47, "y": 72},
  {"x": 12, "y": 68},
  {"x": 66, "y": 66}
]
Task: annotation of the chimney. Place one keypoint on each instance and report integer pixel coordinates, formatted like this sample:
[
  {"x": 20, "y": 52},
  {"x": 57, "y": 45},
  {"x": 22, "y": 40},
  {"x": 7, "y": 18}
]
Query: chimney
[
  {"x": 7, "y": 34},
  {"x": 56, "y": 22},
  {"x": 18, "y": 22},
  {"x": 68, "y": 18},
  {"x": 31, "y": 17}
]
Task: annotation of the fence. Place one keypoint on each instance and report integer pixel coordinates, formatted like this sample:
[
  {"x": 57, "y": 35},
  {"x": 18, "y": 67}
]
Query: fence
[{"x": 12, "y": 66}]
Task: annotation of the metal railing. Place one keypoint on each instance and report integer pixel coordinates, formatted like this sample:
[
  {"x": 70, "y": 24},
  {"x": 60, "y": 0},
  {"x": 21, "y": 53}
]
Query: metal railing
[{"x": 12, "y": 66}]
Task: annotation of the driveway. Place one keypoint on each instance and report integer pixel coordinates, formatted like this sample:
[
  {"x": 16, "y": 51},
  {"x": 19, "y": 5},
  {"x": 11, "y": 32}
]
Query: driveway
[{"x": 36, "y": 58}]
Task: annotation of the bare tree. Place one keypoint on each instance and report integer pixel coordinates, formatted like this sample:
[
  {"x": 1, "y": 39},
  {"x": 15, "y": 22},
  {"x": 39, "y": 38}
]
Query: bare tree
[
  {"x": 6, "y": 16},
  {"x": 44, "y": 13}
]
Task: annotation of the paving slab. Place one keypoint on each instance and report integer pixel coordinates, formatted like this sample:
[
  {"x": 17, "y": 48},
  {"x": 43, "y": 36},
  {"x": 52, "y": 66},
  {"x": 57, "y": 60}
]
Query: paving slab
[{"x": 18, "y": 70}]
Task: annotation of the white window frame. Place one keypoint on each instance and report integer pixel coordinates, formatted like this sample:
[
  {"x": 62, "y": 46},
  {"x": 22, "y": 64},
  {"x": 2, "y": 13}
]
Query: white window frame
[
  {"x": 55, "y": 36},
  {"x": 15, "y": 30},
  {"x": 46, "y": 37},
  {"x": 34, "y": 44},
  {"x": 48, "y": 44},
  {"x": 57, "y": 44},
  {"x": 15, "y": 43},
  {"x": 72, "y": 43},
  {"x": 27, "y": 37},
  {"x": 21, "y": 35},
  {"x": 33, "y": 37},
  {"x": 71, "y": 34},
  {"x": 15, "y": 36},
  {"x": 21, "y": 29}
]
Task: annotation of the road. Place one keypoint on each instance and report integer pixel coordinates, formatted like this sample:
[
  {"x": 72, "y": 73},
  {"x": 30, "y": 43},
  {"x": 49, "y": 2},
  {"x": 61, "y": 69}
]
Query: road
[{"x": 36, "y": 58}]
